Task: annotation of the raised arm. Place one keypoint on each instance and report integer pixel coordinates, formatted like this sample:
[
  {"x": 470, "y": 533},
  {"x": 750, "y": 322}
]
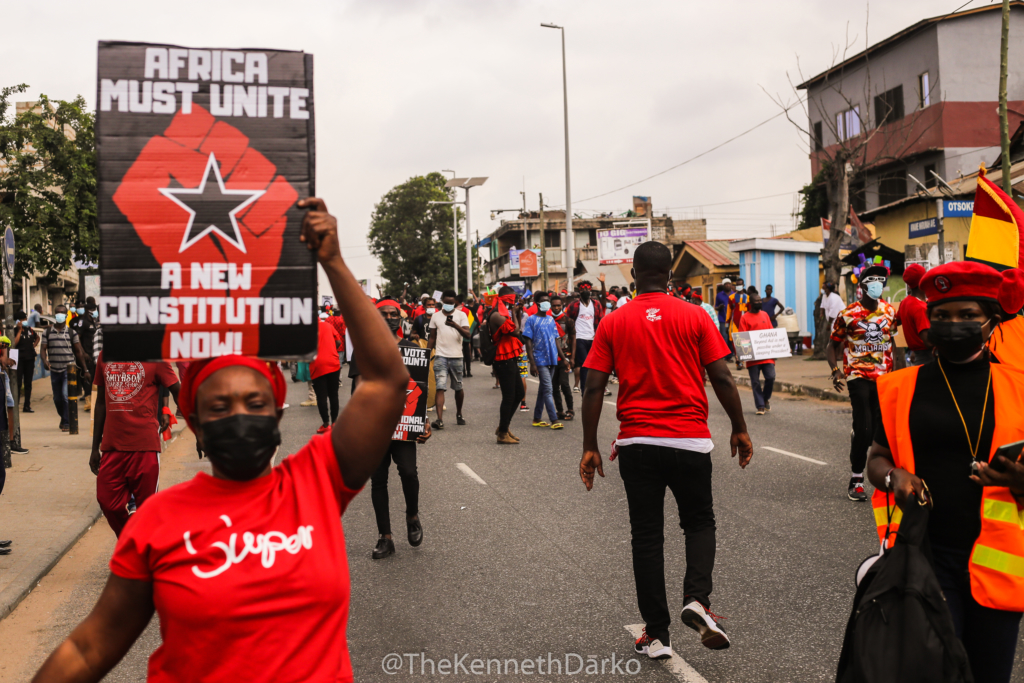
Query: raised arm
[{"x": 363, "y": 432}]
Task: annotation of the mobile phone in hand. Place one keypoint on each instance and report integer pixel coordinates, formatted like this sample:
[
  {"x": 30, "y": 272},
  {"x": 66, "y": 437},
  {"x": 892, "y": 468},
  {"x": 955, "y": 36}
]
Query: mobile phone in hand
[{"x": 1010, "y": 451}]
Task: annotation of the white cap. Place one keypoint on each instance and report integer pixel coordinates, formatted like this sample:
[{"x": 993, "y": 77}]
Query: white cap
[
  {"x": 323, "y": 315},
  {"x": 726, "y": 280}
]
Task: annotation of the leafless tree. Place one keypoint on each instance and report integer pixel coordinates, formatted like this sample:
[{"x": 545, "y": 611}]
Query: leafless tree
[{"x": 859, "y": 147}]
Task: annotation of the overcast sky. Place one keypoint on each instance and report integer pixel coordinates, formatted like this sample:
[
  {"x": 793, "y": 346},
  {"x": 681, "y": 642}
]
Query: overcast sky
[{"x": 405, "y": 87}]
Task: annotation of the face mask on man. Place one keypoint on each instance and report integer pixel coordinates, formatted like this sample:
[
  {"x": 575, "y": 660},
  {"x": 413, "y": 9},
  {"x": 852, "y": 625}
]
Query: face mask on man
[
  {"x": 544, "y": 306},
  {"x": 241, "y": 446},
  {"x": 431, "y": 311},
  {"x": 60, "y": 318},
  {"x": 957, "y": 341},
  {"x": 95, "y": 314},
  {"x": 393, "y": 324},
  {"x": 448, "y": 308},
  {"x": 608, "y": 305},
  {"x": 875, "y": 290},
  {"x": 80, "y": 311}
]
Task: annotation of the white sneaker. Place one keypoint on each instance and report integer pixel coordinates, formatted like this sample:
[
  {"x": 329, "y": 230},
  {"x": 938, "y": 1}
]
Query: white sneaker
[
  {"x": 652, "y": 647},
  {"x": 706, "y": 624}
]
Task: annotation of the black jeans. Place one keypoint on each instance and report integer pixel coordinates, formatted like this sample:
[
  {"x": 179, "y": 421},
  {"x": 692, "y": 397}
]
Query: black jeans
[
  {"x": 512, "y": 390},
  {"x": 562, "y": 388},
  {"x": 989, "y": 635},
  {"x": 326, "y": 389},
  {"x": 26, "y": 368},
  {"x": 404, "y": 455},
  {"x": 646, "y": 471},
  {"x": 467, "y": 357},
  {"x": 867, "y": 416}
]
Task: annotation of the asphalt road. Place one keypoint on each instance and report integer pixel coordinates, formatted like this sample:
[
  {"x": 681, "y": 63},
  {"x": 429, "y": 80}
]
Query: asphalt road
[{"x": 519, "y": 561}]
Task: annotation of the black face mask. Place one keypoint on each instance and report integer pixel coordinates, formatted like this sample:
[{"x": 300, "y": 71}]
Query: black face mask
[
  {"x": 755, "y": 308},
  {"x": 393, "y": 324},
  {"x": 956, "y": 341},
  {"x": 241, "y": 446}
]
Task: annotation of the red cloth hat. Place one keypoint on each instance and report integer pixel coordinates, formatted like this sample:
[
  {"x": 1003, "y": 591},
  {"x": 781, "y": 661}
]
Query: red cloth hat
[
  {"x": 198, "y": 372},
  {"x": 697, "y": 297},
  {"x": 961, "y": 281},
  {"x": 912, "y": 275},
  {"x": 1011, "y": 291}
]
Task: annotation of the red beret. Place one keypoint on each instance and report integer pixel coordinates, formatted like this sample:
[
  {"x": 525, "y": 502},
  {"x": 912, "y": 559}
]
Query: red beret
[
  {"x": 1011, "y": 291},
  {"x": 961, "y": 281},
  {"x": 912, "y": 275},
  {"x": 199, "y": 371}
]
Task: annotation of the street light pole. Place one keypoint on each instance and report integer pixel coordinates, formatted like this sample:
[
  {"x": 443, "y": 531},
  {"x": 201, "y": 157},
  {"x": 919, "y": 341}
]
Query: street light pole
[
  {"x": 455, "y": 238},
  {"x": 570, "y": 250}
]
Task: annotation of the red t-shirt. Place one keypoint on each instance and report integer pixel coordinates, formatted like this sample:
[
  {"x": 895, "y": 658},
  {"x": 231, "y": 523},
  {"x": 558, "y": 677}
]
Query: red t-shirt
[
  {"x": 657, "y": 347},
  {"x": 913, "y": 320},
  {"x": 250, "y": 578},
  {"x": 132, "y": 400},
  {"x": 327, "y": 359},
  {"x": 756, "y": 321}
]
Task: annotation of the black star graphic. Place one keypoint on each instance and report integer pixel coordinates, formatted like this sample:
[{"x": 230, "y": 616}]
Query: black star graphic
[{"x": 212, "y": 208}]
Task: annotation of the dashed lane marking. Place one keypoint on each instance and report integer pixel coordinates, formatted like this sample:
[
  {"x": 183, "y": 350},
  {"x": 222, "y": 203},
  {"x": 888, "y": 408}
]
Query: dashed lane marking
[
  {"x": 675, "y": 664},
  {"x": 465, "y": 469},
  {"x": 793, "y": 455}
]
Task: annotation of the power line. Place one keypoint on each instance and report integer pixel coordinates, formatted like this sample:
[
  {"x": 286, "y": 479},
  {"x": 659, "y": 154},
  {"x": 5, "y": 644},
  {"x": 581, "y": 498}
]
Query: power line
[{"x": 693, "y": 158}]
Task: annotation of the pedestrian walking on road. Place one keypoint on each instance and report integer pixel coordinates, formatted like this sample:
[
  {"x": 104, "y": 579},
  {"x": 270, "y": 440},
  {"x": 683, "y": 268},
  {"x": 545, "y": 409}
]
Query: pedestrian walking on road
[
  {"x": 863, "y": 334},
  {"x": 60, "y": 348},
  {"x": 277, "y": 608},
  {"x": 567, "y": 341},
  {"x": 325, "y": 371},
  {"x": 756, "y": 319},
  {"x": 448, "y": 328},
  {"x": 940, "y": 418},
  {"x": 503, "y": 326},
  {"x": 658, "y": 345},
  {"x": 126, "y": 435},
  {"x": 542, "y": 333},
  {"x": 403, "y": 454}
]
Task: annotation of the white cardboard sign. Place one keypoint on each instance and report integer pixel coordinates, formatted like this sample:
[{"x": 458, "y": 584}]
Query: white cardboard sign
[{"x": 761, "y": 344}]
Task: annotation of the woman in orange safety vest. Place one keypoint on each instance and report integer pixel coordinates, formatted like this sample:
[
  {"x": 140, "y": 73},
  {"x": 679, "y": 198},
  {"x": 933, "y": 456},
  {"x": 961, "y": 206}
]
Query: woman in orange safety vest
[{"x": 941, "y": 425}]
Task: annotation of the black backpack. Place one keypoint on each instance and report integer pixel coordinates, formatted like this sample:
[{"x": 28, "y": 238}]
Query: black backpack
[
  {"x": 901, "y": 630},
  {"x": 487, "y": 347}
]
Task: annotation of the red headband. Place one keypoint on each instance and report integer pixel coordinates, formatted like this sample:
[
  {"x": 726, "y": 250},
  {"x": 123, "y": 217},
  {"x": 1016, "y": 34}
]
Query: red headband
[
  {"x": 198, "y": 372},
  {"x": 387, "y": 302}
]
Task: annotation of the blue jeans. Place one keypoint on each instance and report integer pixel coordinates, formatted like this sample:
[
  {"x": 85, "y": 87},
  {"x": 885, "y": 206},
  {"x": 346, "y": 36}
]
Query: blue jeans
[
  {"x": 724, "y": 329},
  {"x": 59, "y": 385},
  {"x": 762, "y": 396},
  {"x": 545, "y": 394}
]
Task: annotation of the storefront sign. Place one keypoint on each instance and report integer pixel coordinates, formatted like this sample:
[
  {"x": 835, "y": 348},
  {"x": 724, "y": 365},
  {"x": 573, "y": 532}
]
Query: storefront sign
[{"x": 958, "y": 208}]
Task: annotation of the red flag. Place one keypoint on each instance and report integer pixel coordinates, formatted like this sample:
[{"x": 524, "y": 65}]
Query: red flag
[{"x": 863, "y": 235}]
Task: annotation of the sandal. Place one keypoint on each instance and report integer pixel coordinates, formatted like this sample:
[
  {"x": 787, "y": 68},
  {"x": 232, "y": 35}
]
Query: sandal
[
  {"x": 541, "y": 423},
  {"x": 558, "y": 425},
  {"x": 569, "y": 415}
]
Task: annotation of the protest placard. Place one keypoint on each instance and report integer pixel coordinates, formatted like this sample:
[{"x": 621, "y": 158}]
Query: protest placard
[
  {"x": 202, "y": 155},
  {"x": 414, "y": 417},
  {"x": 761, "y": 344}
]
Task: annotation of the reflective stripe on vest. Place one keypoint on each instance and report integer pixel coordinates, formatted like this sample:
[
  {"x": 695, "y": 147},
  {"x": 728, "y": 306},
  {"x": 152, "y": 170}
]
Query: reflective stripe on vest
[{"x": 997, "y": 560}]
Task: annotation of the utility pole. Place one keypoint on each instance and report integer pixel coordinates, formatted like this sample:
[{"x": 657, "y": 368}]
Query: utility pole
[
  {"x": 455, "y": 238},
  {"x": 543, "y": 246},
  {"x": 1004, "y": 124},
  {"x": 942, "y": 231}
]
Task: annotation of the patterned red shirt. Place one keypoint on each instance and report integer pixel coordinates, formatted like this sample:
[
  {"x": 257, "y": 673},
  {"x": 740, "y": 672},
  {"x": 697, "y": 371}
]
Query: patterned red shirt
[{"x": 867, "y": 339}]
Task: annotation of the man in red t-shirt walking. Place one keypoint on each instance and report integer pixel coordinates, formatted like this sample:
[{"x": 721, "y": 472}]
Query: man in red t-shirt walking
[
  {"x": 912, "y": 317},
  {"x": 756, "y": 319},
  {"x": 657, "y": 346},
  {"x": 126, "y": 434}
]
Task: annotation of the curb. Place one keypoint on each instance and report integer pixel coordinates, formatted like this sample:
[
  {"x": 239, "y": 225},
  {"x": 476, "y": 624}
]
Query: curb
[
  {"x": 799, "y": 390},
  {"x": 30, "y": 577},
  {"x": 23, "y": 584}
]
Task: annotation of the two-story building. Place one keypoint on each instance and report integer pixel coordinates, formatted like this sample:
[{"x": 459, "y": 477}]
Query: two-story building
[{"x": 922, "y": 100}]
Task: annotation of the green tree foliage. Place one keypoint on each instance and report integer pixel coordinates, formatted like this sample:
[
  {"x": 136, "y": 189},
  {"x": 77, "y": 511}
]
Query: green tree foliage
[
  {"x": 413, "y": 239},
  {"x": 48, "y": 183},
  {"x": 813, "y": 202}
]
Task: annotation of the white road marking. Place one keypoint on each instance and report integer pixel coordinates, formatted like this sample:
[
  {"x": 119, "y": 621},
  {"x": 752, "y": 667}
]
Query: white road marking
[
  {"x": 609, "y": 403},
  {"x": 676, "y": 665},
  {"x": 794, "y": 455},
  {"x": 470, "y": 473}
]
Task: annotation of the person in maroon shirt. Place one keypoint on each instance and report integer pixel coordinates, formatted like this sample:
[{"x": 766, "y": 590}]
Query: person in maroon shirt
[
  {"x": 247, "y": 568},
  {"x": 756, "y": 319},
  {"x": 658, "y": 345},
  {"x": 912, "y": 317},
  {"x": 126, "y": 434}
]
